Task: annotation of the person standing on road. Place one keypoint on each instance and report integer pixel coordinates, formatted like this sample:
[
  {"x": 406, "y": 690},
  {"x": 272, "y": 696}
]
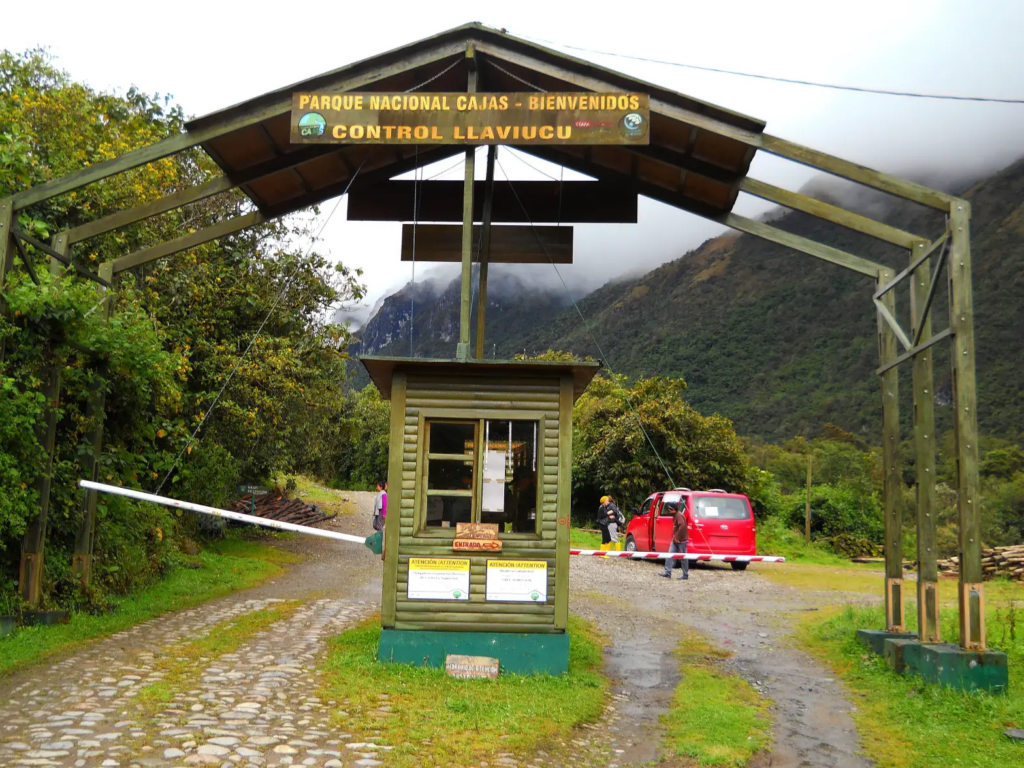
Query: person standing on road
[
  {"x": 615, "y": 520},
  {"x": 602, "y": 523},
  {"x": 680, "y": 538},
  {"x": 380, "y": 506}
]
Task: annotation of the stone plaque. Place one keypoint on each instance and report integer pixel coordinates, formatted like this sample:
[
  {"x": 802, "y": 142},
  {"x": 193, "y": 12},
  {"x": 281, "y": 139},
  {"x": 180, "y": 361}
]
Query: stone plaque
[{"x": 471, "y": 666}]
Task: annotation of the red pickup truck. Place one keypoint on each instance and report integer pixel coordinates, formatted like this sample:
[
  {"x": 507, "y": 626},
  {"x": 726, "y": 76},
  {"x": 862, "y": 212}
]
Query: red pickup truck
[{"x": 720, "y": 523}]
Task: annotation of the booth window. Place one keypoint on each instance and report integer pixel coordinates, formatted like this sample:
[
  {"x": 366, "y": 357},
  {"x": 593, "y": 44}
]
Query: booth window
[
  {"x": 499, "y": 484},
  {"x": 450, "y": 473},
  {"x": 511, "y": 462}
]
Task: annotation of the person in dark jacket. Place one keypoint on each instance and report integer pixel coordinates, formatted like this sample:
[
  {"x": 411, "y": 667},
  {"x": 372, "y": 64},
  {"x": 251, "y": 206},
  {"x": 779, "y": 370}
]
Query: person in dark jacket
[
  {"x": 603, "y": 518},
  {"x": 680, "y": 538},
  {"x": 615, "y": 522}
]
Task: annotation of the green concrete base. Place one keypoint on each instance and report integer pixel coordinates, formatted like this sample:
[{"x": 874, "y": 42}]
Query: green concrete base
[
  {"x": 949, "y": 665},
  {"x": 375, "y": 542},
  {"x": 874, "y": 639},
  {"x": 521, "y": 654}
]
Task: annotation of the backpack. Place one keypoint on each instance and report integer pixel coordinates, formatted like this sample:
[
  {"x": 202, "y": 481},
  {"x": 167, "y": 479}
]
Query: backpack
[{"x": 620, "y": 518}]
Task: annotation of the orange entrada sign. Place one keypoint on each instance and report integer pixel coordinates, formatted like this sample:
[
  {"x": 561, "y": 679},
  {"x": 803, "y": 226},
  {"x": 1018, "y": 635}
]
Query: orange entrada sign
[{"x": 470, "y": 118}]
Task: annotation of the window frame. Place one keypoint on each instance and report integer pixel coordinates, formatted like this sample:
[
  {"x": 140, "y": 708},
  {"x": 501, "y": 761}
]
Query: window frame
[{"x": 477, "y": 418}]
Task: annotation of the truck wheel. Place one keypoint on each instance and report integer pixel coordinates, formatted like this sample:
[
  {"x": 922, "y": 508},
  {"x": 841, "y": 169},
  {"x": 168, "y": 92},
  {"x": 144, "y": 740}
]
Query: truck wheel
[
  {"x": 739, "y": 566},
  {"x": 630, "y": 544}
]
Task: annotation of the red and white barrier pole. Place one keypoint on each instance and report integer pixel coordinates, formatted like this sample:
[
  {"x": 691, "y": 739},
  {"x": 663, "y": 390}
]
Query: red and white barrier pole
[
  {"x": 679, "y": 556},
  {"x": 266, "y": 523},
  {"x": 203, "y": 509}
]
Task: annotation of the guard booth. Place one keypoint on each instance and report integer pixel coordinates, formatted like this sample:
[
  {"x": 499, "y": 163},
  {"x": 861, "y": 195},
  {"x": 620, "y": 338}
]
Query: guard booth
[{"x": 476, "y": 556}]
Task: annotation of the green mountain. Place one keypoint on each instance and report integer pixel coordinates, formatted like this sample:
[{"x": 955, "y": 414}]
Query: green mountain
[{"x": 783, "y": 343}]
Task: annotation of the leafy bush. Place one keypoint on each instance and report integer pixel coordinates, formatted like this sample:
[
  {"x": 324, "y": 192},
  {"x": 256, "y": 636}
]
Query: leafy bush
[
  {"x": 837, "y": 510},
  {"x": 631, "y": 440}
]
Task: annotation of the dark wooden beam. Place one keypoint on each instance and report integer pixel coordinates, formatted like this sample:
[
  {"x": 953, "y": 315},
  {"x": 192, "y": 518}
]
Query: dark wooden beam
[
  {"x": 353, "y": 77},
  {"x": 200, "y": 192},
  {"x": 582, "y": 202},
  {"x": 509, "y": 245}
]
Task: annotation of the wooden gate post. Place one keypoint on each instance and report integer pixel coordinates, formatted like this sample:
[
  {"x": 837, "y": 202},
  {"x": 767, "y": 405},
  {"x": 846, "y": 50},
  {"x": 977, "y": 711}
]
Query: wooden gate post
[
  {"x": 924, "y": 451},
  {"x": 965, "y": 428},
  {"x": 33, "y": 545},
  {"x": 95, "y": 409},
  {"x": 887, "y": 352},
  {"x": 485, "y": 252},
  {"x": 462, "y": 350}
]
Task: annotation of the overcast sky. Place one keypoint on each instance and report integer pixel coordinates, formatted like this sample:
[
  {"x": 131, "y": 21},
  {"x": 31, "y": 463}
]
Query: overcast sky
[{"x": 212, "y": 54}]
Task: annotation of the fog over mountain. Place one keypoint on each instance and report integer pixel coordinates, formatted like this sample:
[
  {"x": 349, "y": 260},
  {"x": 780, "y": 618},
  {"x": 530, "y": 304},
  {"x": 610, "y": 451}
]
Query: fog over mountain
[{"x": 607, "y": 254}]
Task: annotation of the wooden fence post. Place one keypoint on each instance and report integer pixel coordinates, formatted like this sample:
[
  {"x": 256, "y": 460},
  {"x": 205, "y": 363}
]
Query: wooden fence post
[
  {"x": 887, "y": 352},
  {"x": 95, "y": 409},
  {"x": 33, "y": 545},
  {"x": 807, "y": 509},
  {"x": 965, "y": 424},
  {"x": 924, "y": 452}
]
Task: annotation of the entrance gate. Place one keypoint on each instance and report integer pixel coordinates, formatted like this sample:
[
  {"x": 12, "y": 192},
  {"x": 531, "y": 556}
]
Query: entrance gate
[{"x": 696, "y": 159}]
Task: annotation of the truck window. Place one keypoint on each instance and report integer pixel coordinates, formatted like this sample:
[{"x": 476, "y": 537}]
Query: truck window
[
  {"x": 645, "y": 507},
  {"x": 721, "y": 508},
  {"x": 670, "y": 504}
]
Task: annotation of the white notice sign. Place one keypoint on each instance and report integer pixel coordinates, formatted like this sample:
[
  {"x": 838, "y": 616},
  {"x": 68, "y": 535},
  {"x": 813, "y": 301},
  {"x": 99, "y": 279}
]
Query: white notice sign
[
  {"x": 438, "y": 578},
  {"x": 517, "y": 581}
]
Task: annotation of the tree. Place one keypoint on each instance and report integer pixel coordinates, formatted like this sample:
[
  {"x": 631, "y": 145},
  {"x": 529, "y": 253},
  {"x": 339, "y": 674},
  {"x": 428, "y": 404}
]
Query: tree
[
  {"x": 630, "y": 440},
  {"x": 182, "y": 335}
]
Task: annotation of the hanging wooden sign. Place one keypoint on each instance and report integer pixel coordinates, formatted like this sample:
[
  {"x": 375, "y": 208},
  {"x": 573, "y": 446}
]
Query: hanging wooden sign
[{"x": 470, "y": 118}]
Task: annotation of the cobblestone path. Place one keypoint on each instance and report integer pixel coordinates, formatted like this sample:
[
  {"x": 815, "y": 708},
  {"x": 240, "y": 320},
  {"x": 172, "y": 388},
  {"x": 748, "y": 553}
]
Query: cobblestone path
[{"x": 256, "y": 706}]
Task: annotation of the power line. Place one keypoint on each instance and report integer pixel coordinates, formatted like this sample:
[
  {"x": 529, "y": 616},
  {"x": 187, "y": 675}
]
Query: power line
[
  {"x": 791, "y": 81},
  {"x": 518, "y": 156},
  {"x": 586, "y": 325},
  {"x": 252, "y": 341}
]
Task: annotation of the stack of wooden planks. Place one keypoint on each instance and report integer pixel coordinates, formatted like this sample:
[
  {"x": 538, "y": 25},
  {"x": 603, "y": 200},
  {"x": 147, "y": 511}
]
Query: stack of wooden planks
[
  {"x": 277, "y": 507},
  {"x": 999, "y": 561}
]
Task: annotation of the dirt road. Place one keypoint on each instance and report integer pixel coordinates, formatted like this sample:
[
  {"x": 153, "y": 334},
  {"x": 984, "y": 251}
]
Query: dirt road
[
  {"x": 642, "y": 614},
  {"x": 256, "y": 706}
]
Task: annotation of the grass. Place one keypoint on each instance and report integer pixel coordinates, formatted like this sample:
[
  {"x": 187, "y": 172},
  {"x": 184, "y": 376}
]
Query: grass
[
  {"x": 228, "y": 566},
  {"x": 178, "y": 662},
  {"x": 313, "y": 492},
  {"x": 775, "y": 537},
  {"x": 905, "y": 723},
  {"x": 438, "y": 720},
  {"x": 581, "y": 539},
  {"x": 848, "y": 577},
  {"x": 715, "y": 719}
]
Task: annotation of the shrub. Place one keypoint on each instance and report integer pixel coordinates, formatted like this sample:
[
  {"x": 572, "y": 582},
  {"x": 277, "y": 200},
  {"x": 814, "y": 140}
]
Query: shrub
[{"x": 838, "y": 510}]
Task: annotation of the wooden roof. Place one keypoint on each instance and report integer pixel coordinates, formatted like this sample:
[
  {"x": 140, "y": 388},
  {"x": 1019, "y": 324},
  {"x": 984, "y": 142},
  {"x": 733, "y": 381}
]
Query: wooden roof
[
  {"x": 383, "y": 369},
  {"x": 693, "y": 161}
]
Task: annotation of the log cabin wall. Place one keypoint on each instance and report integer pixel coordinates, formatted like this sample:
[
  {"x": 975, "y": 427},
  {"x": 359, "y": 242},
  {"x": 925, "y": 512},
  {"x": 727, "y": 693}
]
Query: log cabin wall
[{"x": 427, "y": 397}]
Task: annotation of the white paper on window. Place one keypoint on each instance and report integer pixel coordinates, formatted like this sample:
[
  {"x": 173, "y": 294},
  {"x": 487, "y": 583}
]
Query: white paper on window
[
  {"x": 494, "y": 481},
  {"x": 710, "y": 511}
]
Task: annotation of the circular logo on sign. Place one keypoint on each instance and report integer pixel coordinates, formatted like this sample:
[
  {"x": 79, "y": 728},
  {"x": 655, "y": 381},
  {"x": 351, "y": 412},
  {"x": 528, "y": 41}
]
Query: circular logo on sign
[
  {"x": 633, "y": 125},
  {"x": 457, "y": 594},
  {"x": 535, "y": 595},
  {"x": 312, "y": 124}
]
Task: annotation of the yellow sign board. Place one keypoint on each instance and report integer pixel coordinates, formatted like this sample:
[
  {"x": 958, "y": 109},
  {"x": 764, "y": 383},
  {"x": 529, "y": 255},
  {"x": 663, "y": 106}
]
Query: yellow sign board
[
  {"x": 438, "y": 578},
  {"x": 470, "y": 118},
  {"x": 517, "y": 581}
]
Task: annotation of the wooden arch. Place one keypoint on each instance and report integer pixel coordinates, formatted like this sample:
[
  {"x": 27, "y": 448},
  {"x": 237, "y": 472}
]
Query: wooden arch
[{"x": 698, "y": 160}]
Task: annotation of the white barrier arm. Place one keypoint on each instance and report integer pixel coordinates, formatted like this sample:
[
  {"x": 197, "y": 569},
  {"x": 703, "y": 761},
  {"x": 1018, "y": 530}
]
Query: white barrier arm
[
  {"x": 202, "y": 509},
  {"x": 679, "y": 556}
]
